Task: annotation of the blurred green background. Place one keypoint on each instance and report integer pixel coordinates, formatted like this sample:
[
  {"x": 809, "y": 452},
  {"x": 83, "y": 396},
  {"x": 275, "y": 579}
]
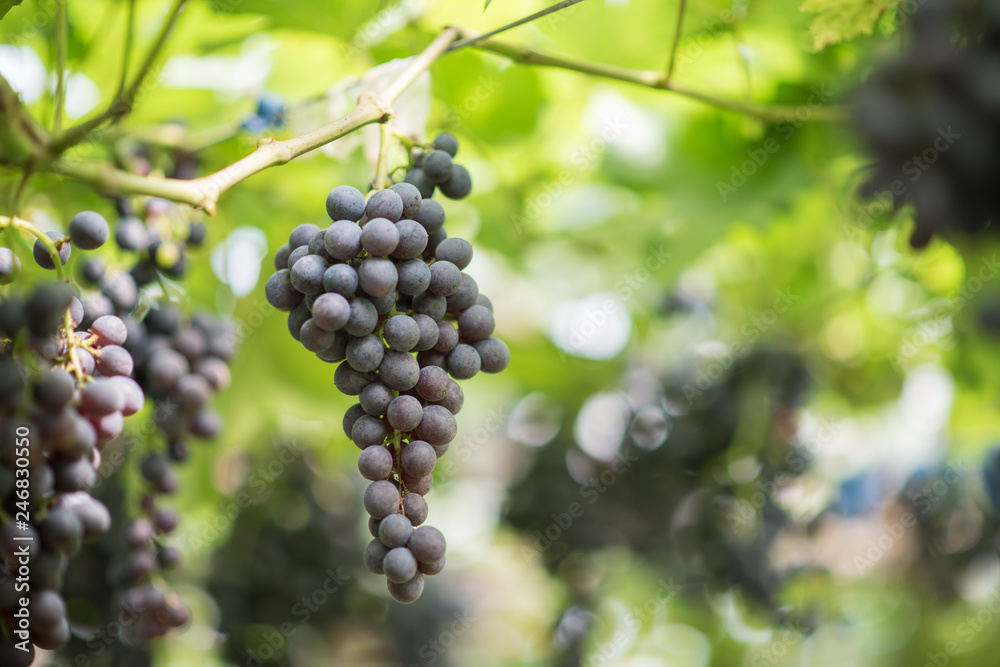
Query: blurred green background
[{"x": 744, "y": 423}]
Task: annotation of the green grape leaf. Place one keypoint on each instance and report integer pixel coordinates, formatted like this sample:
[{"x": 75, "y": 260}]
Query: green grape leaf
[
  {"x": 7, "y": 5},
  {"x": 841, "y": 20}
]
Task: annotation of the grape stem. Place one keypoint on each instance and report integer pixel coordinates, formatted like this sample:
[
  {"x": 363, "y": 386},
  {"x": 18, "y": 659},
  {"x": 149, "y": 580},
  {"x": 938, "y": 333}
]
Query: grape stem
[
  {"x": 656, "y": 80},
  {"x": 381, "y": 175},
  {"x": 677, "y": 40},
  {"x": 468, "y": 41},
  {"x": 127, "y": 49},
  {"x": 122, "y": 104},
  {"x": 71, "y": 345},
  {"x": 60, "y": 94},
  {"x": 372, "y": 107},
  {"x": 205, "y": 192}
]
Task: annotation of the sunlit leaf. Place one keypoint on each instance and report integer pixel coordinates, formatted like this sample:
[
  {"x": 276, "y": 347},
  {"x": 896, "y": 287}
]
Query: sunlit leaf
[{"x": 841, "y": 20}]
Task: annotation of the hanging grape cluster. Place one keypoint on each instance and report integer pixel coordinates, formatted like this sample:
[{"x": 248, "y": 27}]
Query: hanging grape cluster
[
  {"x": 932, "y": 119},
  {"x": 382, "y": 293},
  {"x": 180, "y": 364},
  {"x": 64, "y": 393},
  {"x": 72, "y": 367}
]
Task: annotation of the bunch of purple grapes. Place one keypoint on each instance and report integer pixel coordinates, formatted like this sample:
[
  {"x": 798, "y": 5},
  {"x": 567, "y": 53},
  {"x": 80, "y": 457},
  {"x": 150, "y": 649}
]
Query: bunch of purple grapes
[
  {"x": 65, "y": 390},
  {"x": 181, "y": 363},
  {"x": 382, "y": 293}
]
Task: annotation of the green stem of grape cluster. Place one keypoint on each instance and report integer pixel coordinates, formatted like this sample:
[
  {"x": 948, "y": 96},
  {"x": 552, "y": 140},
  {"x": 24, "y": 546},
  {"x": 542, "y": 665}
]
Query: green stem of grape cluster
[{"x": 13, "y": 222}]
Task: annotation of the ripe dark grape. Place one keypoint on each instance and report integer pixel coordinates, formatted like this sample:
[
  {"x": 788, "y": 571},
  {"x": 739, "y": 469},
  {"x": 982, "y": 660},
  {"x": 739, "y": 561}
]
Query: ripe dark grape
[
  {"x": 385, "y": 204},
  {"x": 88, "y": 230},
  {"x": 377, "y": 276},
  {"x": 455, "y": 250},
  {"x": 446, "y": 142},
  {"x": 427, "y": 544},
  {"x": 394, "y": 531},
  {"x": 41, "y": 254},
  {"x": 399, "y": 370},
  {"x": 411, "y": 197},
  {"x": 374, "y": 556},
  {"x": 306, "y": 275},
  {"x": 368, "y": 431},
  {"x": 415, "y": 508},
  {"x": 363, "y": 318},
  {"x": 432, "y": 305},
  {"x": 459, "y": 183},
  {"x": 433, "y": 383},
  {"x": 341, "y": 279},
  {"x": 401, "y": 333},
  {"x": 343, "y": 240},
  {"x": 412, "y": 239},
  {"x": 301, "y": 235},
  {"x": 365, "y": 353},
  {"x": 476, "y": 323},
  {"x": 399, "y": 563},
  {"x": 463, "y": 362},
  {"x": 375, "y": 463},
  {"x": 418, "y": 458},
  {"x": 437, "y": 425},
  {"x": 431, "y": 216},
  {"x": 414, "y": 277},
  {"x": 493, "y": 353},
  {"x": 345, "y": 203},
  {"x": 381, "y": 499},
  {"x": 437, "y": 166},
  {"x": 331, "y": 311},
  {"x": 418, "y": 179},
  {"x": 409, "y": 591},
  {"x": 404, "y": 413},
  {"x": 379, "y": 237},
  {"x": 280, "y": 292}
]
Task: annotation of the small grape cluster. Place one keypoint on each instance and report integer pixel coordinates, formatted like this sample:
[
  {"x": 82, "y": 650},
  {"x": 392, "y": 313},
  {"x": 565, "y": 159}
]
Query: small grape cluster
[
  {"x": 917, "y": 116},
  {"x": 436, "y": 168},
  {"x": 64, "y": 393},
  {"x": 382, "y": 282},
  {"x": 180, "y": 364}
]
